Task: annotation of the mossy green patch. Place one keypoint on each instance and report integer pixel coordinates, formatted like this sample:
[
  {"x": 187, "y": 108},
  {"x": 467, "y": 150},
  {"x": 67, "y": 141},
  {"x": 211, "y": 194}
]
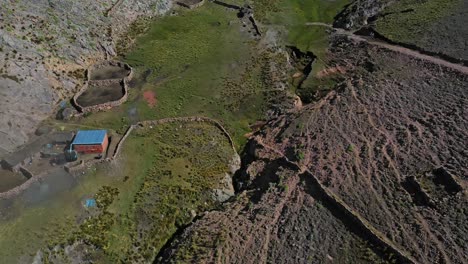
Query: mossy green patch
[
  {"x": 294, "y": 14},
  {"x": 181, "y": 164},
  {"x": 409, "y": 20}
]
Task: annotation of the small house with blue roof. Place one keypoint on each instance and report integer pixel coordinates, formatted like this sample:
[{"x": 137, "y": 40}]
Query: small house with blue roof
[{"x": 90, "y": 141}]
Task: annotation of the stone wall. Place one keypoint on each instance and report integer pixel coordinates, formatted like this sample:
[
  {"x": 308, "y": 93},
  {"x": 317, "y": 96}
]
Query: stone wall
[
  {"x": 26, "y": 172},
  {"x": 78, "y": 166},
  {"x": 73, "y": 167},
  {"x": 20, "y": 188},
  {"x": 190, "y": 4},
  {"x": 119, "y": 145}
]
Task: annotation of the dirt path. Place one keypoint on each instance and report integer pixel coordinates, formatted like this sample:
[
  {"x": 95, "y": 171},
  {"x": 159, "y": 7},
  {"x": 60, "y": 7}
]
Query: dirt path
[{"x": 396, "y": 48}]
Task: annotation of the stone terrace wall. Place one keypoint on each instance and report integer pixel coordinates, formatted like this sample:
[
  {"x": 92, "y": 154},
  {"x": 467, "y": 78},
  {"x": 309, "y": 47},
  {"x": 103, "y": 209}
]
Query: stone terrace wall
[
  {"x": 351, "y": 217},
  {"x": 103, "y": 106},
  {"x": 119, "y": 145}
]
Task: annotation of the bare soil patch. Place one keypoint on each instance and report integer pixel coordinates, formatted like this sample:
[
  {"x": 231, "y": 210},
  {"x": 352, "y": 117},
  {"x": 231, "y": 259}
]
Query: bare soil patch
[
  {"x": 109, "y": 72},
  {"x": 95, "y": 95},
  {"x": 150, "y": 98},
  {"x": 9, "y": 180}
]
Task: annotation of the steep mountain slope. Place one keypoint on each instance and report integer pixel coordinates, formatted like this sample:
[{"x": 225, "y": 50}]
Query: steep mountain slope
[
  {"x": 373, "y": 170},
  {"x": 45, "y": 46},
  {"x": 388, "y": 144}
]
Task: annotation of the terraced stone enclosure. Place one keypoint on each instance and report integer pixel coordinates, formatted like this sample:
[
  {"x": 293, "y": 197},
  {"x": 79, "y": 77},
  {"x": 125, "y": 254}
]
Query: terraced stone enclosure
[
  {"x": 109, "y": 70},
  {"x": 101, "y": 93},
  {"x": 106, "y": 87}
]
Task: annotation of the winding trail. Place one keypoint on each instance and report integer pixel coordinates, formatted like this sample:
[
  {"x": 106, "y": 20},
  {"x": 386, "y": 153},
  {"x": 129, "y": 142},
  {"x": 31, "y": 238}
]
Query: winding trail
[{"x": 409, "y": 52}]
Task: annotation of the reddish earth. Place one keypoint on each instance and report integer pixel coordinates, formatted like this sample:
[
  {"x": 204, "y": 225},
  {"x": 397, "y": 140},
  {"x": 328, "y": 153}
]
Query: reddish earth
[
  {"x": 330, "y": 71},
  {"x": 150, "y": 98},
  {"x": 389, "y": 143}
]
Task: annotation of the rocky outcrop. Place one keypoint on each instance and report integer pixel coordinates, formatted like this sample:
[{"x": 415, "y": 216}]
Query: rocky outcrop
[
  {"x": 358, "y": 13},
  {"x": 344, "y": 158},
  {"x": 45, "y": 47}
]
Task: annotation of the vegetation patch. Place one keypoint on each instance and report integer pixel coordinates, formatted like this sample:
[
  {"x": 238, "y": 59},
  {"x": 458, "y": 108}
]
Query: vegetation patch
[
  {"x": 164, "y": 177},
  {"x": 191, "y": 56},
  {"x": 409, "y": 20},
  {"x": 293, "y": 16},
  {"x": 181, "y": 163}
]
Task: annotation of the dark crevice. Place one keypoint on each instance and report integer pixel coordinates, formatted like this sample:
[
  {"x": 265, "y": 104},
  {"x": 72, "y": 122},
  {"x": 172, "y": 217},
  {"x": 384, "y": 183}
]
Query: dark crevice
[
  {"x": 303, "y": 61},
  {"x": 231, "y": 6},
  {"x": 254, "y": 24},
  {"x": 165, "y": 251},
  {"x": 445, "y": 178},
  {"x": 414, "y": 189}
]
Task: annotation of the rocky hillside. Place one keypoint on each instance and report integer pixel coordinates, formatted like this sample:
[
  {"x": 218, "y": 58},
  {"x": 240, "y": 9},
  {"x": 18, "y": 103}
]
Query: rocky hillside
[
  {"x": 375, "y": 172},
  {"x": 431, "y": 26},
  {"x": 371, "y": 168},
  {"x": 46, "y": 45}
]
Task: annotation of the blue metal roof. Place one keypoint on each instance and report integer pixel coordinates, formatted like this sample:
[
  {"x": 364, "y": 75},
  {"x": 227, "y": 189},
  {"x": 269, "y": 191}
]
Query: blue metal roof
[{"x": 89, "y": 137}]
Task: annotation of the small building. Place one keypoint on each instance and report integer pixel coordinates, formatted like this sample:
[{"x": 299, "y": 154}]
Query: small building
[{"x": 90, "y": 141}]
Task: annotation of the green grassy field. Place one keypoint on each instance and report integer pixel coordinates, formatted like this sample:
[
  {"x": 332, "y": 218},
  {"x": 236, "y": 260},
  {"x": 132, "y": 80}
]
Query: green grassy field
[
  {"x": 408, "y": 20},
  {"x": 184, "y": 163},
  {"x": 165, "y": 173},
  {"x": 202, "y": 64},
  {"x": 192, "y": 56}
]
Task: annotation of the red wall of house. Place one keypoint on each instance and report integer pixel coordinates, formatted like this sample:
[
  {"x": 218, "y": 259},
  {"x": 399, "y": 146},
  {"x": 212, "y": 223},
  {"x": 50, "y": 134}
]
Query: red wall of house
[{"x": 97, "y": 148}]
